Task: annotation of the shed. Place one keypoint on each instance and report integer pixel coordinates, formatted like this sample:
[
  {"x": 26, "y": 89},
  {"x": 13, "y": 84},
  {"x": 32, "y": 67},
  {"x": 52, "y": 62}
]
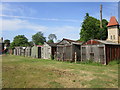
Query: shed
[
  {"x": 36, "y": 51},
  {"x": 23, "y": 51},
  {"x": 15, "y": 51},
  {"x": 28, "y": 51},
  {"x": 69, "y": 50},
  {"x": 19, "y": 51},
  {"x": 100, "y": 51},
  {"x": 48, "y": 50}
]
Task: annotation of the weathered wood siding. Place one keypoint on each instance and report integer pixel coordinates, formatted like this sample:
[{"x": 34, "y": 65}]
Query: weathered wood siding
[
  {"x": 15, "y": 52},
  {"x": 76, "y": 52},
  {"x": 28, "y": 51},
  {"x": 18, "y": 50},
  {"x": 112, "y": 53},
  {"x": 60, "y": 52},
  {"x": 46, "y": 51},
  {"x": 68, "y": 52},
  {"x": 93, "y": 52},
  {"x": 36, "y": 52}
]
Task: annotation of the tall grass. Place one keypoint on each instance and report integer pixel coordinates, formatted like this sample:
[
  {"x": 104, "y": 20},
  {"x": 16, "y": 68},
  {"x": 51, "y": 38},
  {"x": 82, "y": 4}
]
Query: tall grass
[{"x": 114, "y": 62}]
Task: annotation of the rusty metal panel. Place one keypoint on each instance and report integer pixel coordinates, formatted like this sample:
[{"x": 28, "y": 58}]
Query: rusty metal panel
[
  {"x": 112, "y": 52},
  {"x": 68, "y": 53},
  {"x": 91, "y": 42},
  {"x": 64, "y": 53},
  {"x": 60, "y": 50},
  {"x": 83, "y": 53},
  {"x": 93, "y": 52}
]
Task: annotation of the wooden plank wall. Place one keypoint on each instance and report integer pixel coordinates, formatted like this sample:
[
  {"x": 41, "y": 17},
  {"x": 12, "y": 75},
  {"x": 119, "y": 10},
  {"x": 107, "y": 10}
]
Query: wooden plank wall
[
  {"x": 112, "y": 53},
  {"x": 93, "y": 52},
  {"x": 64, "y": 53}
]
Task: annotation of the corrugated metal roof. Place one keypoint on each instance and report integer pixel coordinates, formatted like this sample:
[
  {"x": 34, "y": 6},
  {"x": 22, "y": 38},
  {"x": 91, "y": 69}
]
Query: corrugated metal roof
[
  {"x": 51, "y": 44},
  {"x": 71, "y": 41},
  {"x": 96, "y": 42},
  {"x": 106, "y": 42}
]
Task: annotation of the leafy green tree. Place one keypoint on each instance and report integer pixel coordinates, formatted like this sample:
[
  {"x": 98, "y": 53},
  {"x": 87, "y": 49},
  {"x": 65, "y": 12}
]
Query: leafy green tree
[
  {"x": 38, "y": 38},
  {"x": 50, "y": 41},
  {"x": 51, "y": 37},
  {"x": 103, "y": 32},
  {"x": 31, "y": 43},
  {"x": 19, "y": 40},
  {"x": 7, "y": 42},
  {"x": 12, "y": 45},
  {"x": 91, "y": 29}
]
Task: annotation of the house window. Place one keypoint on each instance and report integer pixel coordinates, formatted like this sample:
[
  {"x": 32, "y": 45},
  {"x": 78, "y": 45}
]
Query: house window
[
  {"x": 111, "y": 36},
  {"x": 114, "y": 36}
]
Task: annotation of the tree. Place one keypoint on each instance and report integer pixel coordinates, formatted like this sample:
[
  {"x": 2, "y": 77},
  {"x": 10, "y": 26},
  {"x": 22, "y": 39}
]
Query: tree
[
  {"x": 38, "y": 38},
  {"x": 91, "y": 29},
  {"x": 7, "y": 42},
  {"x": 51, "y": 37},
  {"x": 31, "y": 43},
  {"x": 19, "y": 40},
  {"x": 50, "y": 41}
]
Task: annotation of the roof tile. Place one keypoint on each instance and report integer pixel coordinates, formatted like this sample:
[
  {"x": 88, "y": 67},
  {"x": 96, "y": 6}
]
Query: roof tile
[{"x": 112, "y": 21}]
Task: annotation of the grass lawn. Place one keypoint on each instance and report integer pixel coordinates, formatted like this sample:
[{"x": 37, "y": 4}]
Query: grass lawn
[{"x": 26, "y": 72}]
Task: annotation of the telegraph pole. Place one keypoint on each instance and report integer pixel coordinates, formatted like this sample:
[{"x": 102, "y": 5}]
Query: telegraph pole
[{"x": 101, "y": 16}]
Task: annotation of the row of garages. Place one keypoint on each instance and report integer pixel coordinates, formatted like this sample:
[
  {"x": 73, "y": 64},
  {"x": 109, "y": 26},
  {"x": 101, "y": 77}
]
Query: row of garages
[{"x": 73, "y": 51}]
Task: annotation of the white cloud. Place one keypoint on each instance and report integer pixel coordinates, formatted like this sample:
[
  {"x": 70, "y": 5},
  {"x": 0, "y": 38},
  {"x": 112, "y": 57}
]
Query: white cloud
[
  {"x": 10, "y": 11},
  {"x": 43, "y": 19},
  {"x": 13, "y": 9},
  {"x": 70, "y": 32},
  {"x": 18, "y": 24}
]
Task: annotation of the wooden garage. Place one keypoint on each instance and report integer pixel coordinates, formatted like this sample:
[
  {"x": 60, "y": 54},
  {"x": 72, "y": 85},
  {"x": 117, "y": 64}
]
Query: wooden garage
[
  {"x": 100, "y": 51},
  {"x": 49, "y": 50},
  {"x": 28, "y": 51},
  {"x": 19, "y": 51},
  {"x": 36, "y": 51},
  {"x": 69, "y": 50}
]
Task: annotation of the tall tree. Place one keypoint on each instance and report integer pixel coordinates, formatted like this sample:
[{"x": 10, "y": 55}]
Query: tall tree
[
  {"x": 19, "y": 40},
  {"x": 91, "y": 29},
  {"x": 50, "y": 41},
  {"x": 31, "y": 43},
  {"x": 7, "y": 42},
  {"x": 51, "y": 37},
  {"x": 38, "y": 38}
]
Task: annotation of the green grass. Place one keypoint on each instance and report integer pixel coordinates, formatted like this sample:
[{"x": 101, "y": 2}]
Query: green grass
[{"x": 26, "y": 72}]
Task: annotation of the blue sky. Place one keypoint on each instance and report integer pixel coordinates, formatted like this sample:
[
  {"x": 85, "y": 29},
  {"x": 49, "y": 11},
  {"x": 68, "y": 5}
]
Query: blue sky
[{"x": 61, "y": 18}]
